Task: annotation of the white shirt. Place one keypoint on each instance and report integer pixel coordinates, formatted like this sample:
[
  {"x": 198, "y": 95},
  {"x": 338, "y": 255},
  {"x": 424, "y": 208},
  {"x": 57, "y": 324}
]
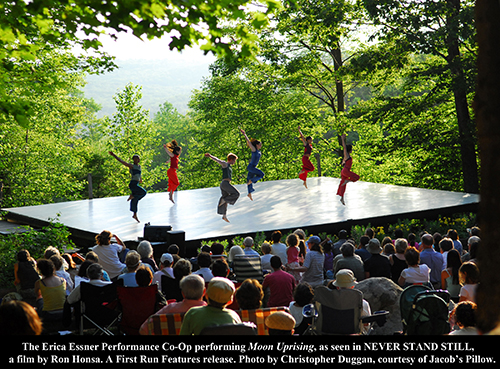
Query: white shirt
[
  {"x": 109, "y": 260},
  {"x": 279, "y": 249},
  {"x": 206, "y": 273}
]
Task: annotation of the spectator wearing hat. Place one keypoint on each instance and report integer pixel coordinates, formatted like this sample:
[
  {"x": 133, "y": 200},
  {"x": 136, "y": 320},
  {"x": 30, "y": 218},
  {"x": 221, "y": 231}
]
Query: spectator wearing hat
[
  {"x": 166, "y": 261},
  {"x": 132, "y": 261},
  {"x": 345, "y": 279},
  {"x": 219, "y": 294},
  {"x": 313, "y": 263},
  {"x": 378, "y": 265},
  {"x": 280, "y": 323}
]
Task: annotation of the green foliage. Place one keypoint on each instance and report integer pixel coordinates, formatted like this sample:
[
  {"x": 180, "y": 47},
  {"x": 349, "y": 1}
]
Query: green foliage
[{"x": 35, "y": 242}]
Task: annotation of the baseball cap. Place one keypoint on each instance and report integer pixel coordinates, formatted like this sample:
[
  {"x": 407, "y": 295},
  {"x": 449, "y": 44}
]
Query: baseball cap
[
  {"x": 314, "y": 239},
  {"x": 167, "y": 257}
]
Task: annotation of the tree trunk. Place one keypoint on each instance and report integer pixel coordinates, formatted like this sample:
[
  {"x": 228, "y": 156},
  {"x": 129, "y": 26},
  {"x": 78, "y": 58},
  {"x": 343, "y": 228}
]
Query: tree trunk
[
  {"x": 466, "y": 127},
  {"x": 488, "y": 125}
]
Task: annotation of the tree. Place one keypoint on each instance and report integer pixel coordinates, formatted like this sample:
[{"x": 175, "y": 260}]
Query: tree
[{"x": 444, "y": 29}]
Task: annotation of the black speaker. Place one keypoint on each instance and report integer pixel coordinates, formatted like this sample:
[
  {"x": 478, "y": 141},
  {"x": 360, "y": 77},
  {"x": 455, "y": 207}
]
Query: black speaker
[
  {"x": 179, "y": 238},
  {"x": 156, "y": 233}
]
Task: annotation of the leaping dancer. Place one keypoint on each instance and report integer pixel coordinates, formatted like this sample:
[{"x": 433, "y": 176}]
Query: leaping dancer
[
  {"x": 307, "y": 166},
  {"x": 254, "y": 174},
  {"x": 346, "y": 175},
  {"x": 229, "y": 194},
  {"x": 137, "y": 192},
  {"x": 173, "y": 150}
]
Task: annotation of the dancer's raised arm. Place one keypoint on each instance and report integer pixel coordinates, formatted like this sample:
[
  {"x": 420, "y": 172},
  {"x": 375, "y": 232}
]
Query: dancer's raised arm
[
  {"x": 170, "y": 153},
  {"x": 302, "y": 137},
  {"x": 216, "y": 159},
  {"x": 249, "y": 143},
  {"x": 128, "y": 165}
]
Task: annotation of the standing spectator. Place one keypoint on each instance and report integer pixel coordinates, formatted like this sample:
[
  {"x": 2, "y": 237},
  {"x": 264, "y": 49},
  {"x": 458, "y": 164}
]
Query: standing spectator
[
  {"x": 219, "y": 293},
  {"x": 292, "y": 253},
  {"x": 26, "y": 275},
  {"x": 278, "y": 248},
  {"x": 433, "y": 259},
  {"x": 378, "y": 265},
  {"x": 472, "y": 244},
  {"x": 249, "y": 251},
  {"x": 449, "y": 276},
  {"x": 453, "y": 234},
  {"x": 445, "y": 245},
  {"x": 280, "y": 283}
]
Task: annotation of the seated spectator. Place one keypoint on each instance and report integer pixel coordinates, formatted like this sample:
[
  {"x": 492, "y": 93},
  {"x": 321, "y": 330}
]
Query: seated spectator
[
  {"x": 416, "y": 273},
  {"x": 95, "y": 274},
  {"x": 220, "y": 268},
  {"x": 19, "y": 318},
  {"x": 387, "y": 246},
  {"x": 303, "y": 295},
  {"x": 234, "y": 251},
  {"x": 453, "y": 234},
  {"x": 166, "y": 261},
  {"x": 473, "y": 244},
  {"x": 92, "y": 256},
  {"x": 449, "y": 276},
  {"x": 219, "y": 294},
  {"x": 26, "y": 275},
  {"x": 193, "y": 289},
  {"x": 265, "y": 259},
  {"x": 82, "y": 273},
  {"x": 109, "y": 253},
  {"x": 278, "y": 248},
  {"x": 144, "y": 278},
  {"x": 445, "y": 245},
  {"x": 146, "y": 251},
  {"x": 345, "y": 279},
  {"x": 397, "y": 260},
  {"x": 342, "y": 239},
  {"x": 432, "y": 258},
  {"x": 412, "y": 240},
  {"x": 362, "y": 251},
  {"x": 377, "y": 265},
  {"x": 181, "y": 269},
  {"x": 60, "y": 272},
  {"x": 280, "y": 323},
  {"x": 217, "y": 251},
  {"x": 280, "y": 283},
  {"x": 464, "y": 319},
  {"x": 249, "y": 295},
  {"x": 248, "y": 244},
  {"x": 349, "y": 260},
  {"x": 437, "y": 237},
  {"x": 174, "y": 250},
  {"x": 132, "y": 261},
  {"x": 51, "y": 290},
  {"x": 204, "y": 261},
  {"x": 469, "y": 279},
  {"x": 72, "y": 266}
]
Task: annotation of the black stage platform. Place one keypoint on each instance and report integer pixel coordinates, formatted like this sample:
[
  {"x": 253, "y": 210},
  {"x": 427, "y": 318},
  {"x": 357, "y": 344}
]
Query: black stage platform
[{"x": 277, "y": 205}]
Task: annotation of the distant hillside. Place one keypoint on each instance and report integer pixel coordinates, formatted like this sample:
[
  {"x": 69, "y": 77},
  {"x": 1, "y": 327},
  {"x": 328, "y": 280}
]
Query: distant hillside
[{"x": 161, "y": 80}]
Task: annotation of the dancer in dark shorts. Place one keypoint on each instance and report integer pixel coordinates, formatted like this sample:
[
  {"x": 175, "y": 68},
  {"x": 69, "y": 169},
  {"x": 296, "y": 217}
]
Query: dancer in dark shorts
[
  {"x": 137, "y": 192},
  {"x": 229, "y": 194},
  {"x": 307, "y": 166},
  {"x": 173, "y": 150},
  {"x": 254, "y": 174},
  {"x": 346, "y": 175}
]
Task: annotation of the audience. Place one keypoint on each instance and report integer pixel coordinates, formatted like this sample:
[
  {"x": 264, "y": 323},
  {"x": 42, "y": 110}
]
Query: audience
[
  {"x": 248, "y": 244},
  {"x": 313, "y": 264},
  {"x": 265, "y": 259},
  {"x": 280, "y": 323},
  {"x": 146, "y": 251},
  {"x": 416, "y": 273},
  {"x": 449, "y": 276},
  {"x": 166, "y": 261},
  {"x": 132, "y": 262},
  {"x": 249, "y": 295},
  {"x": 302, "y": 295},
  {"x": 26, "y": 274},
  {"x": 469, "y": 279},
  {"x": 292, "y": 253},
  {"x": 397, "y": 260},
  {"x": 108, "y": 253},
  {"x": 95, "y": 278},
  {"x": 278, "y": 248},
  {"x": 18, "y": 318},
  {"x": 204, "y": 261},
  {"x": 51, "y": 292},
  {"x": 431, "y": 258},
  {"x": 463, "y": 317}
]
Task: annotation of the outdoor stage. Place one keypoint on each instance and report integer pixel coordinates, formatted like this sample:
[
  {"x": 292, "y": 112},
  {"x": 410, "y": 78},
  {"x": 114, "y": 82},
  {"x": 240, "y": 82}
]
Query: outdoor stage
[{"x": 277, "y": 205}]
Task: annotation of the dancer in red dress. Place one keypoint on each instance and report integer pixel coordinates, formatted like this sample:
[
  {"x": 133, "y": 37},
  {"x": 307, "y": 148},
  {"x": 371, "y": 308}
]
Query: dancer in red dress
[
  {"x": 173, "y": 150},
  {"x": 307, "y": 166},
  {"x": 346, "y": 175}
]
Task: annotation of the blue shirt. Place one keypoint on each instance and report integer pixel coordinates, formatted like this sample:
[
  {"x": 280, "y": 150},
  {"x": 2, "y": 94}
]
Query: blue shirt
[
  {"x": 433, "y": 260},
  {"x": 254, "y": 160}
]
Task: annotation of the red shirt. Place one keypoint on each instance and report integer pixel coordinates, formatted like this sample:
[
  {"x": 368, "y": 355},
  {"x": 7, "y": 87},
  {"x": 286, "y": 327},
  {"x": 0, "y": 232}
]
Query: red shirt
[
  {"x": 174, "y": 162},
  {"x": 281, "y": 285}
]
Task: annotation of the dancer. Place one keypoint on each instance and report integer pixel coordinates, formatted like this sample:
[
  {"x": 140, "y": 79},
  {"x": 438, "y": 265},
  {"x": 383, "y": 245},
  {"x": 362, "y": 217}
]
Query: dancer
[
  {"x": 229, "y": 193},
  {"x": 173, "y": 150},
  {"x": 137, "y": 192},
  {"x": 254, "y": 174},
  {"x": 346, "y": 175},
  {"x": 307, "y": 166}
]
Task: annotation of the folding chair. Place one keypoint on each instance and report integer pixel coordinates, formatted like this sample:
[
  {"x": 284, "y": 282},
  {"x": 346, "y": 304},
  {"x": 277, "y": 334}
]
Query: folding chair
[
  {"x": 258, "y": 317},
  {"x": 165, "y": 324},
  {"x": 97, "y": 308},
  {"x": 247, "y": 267},
  {"x": 171, "y": 289},
  {"x": 137, "y": 304},
  {"x": 339, "y": 312},
  {"x": 240, "y": 329}
]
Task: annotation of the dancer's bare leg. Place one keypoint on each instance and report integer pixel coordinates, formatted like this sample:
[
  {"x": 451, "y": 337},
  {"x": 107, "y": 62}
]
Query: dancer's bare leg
[
  {"x": 171, "y": 196},
  {"x": 136, "y": 218},
  {"x": 250, "y": 196},
  {"x": 130, "y": 197},
  {"x": 225, "y": 219}
]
